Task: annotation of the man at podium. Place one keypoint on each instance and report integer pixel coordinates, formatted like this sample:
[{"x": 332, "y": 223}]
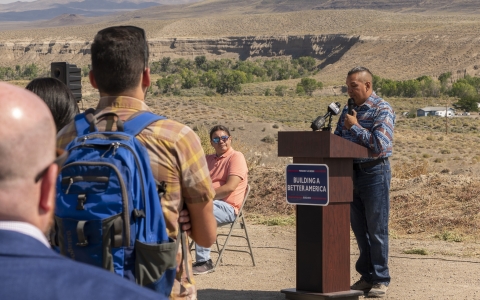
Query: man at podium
[{"x": 369, "y": 121}]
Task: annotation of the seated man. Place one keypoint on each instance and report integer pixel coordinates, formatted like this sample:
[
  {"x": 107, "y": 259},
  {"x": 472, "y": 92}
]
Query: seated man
[
  {"x": 28, "y": 173},
  {"x": 228, "y": 170}
]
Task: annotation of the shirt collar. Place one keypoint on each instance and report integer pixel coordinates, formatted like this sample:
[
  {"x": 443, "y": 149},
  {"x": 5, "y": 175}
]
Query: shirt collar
[
  {"x": 228, "y": 153},
  {"x": 25, "y": 228},
  {"x": 122, "y": 102},
  {"x": 370, "y": 102}
]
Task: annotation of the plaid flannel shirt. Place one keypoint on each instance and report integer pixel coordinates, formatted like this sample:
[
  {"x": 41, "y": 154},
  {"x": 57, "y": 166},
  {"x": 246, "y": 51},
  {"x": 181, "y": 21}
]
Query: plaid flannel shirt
[{"x": 176, "y": 157}]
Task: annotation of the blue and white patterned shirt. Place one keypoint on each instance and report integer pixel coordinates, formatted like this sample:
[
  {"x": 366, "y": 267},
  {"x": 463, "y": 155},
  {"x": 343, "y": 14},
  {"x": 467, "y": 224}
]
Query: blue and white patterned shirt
[{"x": 377, "y": 120}]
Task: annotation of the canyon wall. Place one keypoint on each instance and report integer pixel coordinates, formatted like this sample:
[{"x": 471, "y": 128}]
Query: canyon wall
[
  {"x": 326, "y": 48},
  {"x": 397, "y": 56}
]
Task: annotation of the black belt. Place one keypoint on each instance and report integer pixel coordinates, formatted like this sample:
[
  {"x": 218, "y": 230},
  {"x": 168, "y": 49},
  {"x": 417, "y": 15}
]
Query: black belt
[{"x": 369, "y": 164}]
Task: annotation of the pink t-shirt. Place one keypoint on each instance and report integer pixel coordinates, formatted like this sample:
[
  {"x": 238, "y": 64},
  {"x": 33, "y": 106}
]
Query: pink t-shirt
[{"x": 230, "y": 163}]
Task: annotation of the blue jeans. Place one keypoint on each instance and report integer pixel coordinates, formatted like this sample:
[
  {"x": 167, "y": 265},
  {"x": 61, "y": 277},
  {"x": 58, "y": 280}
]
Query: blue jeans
[
  {"x": 369, "y": 213},
  {"x": 224, "y": 213}
]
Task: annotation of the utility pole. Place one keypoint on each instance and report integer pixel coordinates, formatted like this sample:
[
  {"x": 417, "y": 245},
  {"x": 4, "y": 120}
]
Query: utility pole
[{"x": 446, "y": 118}]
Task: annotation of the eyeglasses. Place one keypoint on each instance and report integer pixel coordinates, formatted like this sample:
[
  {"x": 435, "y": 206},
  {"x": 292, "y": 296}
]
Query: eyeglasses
[
  {"x": 62, "y": 156},
  {"x": 134, "y": 29},
  {"x": 224, "y": 138}
]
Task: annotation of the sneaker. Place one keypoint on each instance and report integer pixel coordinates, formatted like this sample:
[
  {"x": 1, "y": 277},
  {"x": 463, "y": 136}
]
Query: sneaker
[
  {"x": 203, "y": 267},
  {"x": 378, "y": 290},
  {"x": 361, "y": 285}
]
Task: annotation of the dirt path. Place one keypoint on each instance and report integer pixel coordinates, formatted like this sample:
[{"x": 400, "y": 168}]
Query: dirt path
[{"x": 450, "y": 271}]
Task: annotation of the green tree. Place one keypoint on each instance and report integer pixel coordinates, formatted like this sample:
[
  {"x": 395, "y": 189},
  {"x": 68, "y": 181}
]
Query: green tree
[
  {"x": 30, "y": 71},
  {"x": 165, "y": 64},
  {"x": 309, "y": 85},
  {"x": 429, "y": 87},
  {"x": 376, "y": 82},
  {"x": 462, "y": 89},
  {"x": 410, "y": 88},
  {"x": 170, "y": 84},
  {"x": 388, "y": 88},
  {"x": 307, "y": 62},
  {"x": 209, "y": 79},
  {"x": 469, "y": 103},
  {"x": 231, "y": 81},
  {"x": 201, "y": 62},
  {"x": 189, "y": 79}
]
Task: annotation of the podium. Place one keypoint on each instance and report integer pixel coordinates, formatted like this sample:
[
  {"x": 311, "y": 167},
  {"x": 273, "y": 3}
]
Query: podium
[{"x": 323, "y": 232}]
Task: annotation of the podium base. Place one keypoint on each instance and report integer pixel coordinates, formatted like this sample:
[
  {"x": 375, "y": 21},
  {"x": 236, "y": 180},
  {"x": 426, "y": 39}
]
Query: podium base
[{"x": 293, "y": 294}]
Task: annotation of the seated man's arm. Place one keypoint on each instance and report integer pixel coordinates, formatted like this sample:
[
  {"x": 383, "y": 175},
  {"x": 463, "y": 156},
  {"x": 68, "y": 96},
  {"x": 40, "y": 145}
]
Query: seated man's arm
[{"x": 225, "y": 190}]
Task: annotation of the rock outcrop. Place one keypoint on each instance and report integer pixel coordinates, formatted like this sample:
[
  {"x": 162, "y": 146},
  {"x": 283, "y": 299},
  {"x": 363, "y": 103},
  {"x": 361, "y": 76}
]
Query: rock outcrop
[{"x": 326, "y": 48}]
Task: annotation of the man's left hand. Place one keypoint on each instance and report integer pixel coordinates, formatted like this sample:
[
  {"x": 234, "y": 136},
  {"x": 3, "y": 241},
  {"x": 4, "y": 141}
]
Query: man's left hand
[
  {"x": 351, "y": 120},
  {"x": 184, "y": 220}
]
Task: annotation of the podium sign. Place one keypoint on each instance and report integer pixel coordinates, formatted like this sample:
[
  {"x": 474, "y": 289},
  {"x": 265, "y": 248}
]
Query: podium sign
[{"x": 307, "y": 184}]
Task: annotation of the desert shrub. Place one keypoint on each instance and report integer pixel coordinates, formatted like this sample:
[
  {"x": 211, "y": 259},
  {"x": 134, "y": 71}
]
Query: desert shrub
[
  {"x": 300, "y": 90},
  {"x": 407, "y": 170},
  {"x": 275, "y": 126},
  {"x": 449, "y": 236},
  {"x": 210, "y": 93},
  {"x": 416, "y": 251},
  {"x": 268, "y": 139},
  {"x": 438, "y": 160},
  {"x": 268, "y": 92},
  {"x": 445, "y": 151},
  {"x": 426, "y": 155},
  {"x": 412, "y": 113},
  {"x": 281, "y": 90}
]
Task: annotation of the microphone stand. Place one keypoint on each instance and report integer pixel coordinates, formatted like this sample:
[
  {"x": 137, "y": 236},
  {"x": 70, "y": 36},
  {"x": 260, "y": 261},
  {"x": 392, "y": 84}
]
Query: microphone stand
[{"x": 329, "y": 126}]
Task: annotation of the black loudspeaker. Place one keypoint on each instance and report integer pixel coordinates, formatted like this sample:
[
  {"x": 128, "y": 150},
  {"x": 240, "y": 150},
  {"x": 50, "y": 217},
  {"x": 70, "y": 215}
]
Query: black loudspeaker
[{"x": 69, "y": 74}]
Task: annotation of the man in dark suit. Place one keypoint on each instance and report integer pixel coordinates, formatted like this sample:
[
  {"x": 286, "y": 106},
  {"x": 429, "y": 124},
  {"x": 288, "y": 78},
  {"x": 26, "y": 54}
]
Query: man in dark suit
[{"x": 29, "y": 269}]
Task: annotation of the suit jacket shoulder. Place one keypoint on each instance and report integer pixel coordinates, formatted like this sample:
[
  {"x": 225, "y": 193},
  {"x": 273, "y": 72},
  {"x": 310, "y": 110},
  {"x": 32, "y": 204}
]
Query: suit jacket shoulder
[{"x": 32, "y": 271}]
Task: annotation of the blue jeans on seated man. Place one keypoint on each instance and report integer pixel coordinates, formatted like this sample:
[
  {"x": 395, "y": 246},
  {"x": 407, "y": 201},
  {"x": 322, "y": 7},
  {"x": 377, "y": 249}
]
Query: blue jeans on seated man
[
  {"x": 369, "y": 213},
  {"x": 224, "y": 213}
]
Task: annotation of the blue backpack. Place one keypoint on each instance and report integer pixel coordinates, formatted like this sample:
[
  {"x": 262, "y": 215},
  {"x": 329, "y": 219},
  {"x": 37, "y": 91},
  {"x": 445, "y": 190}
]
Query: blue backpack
[{"x": 108, "y": 210}]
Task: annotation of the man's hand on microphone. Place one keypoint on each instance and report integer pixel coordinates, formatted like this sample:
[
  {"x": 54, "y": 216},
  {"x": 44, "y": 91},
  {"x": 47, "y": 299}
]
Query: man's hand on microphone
[{"x": 351, "y": 120}]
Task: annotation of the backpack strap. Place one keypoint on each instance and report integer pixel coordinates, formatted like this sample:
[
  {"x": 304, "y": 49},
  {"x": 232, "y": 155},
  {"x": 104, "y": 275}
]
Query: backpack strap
[
  {"x": 138, "y": 121},
  {"x": 83, "y": 121}
]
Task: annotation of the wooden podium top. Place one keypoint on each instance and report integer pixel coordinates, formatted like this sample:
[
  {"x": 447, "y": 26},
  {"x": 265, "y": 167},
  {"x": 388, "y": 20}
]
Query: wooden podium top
[{"x": 318, "y": 144}]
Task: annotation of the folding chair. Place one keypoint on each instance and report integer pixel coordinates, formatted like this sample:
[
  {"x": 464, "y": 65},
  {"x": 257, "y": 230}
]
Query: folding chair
[{"x": 238, "y": 223}]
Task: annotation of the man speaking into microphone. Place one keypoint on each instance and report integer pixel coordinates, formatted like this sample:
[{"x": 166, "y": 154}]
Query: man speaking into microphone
[{"x": 370, "y": 124}]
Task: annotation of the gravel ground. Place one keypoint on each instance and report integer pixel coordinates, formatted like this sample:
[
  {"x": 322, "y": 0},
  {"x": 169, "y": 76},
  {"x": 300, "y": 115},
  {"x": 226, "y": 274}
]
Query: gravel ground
[{"x": 449, "y": 271}]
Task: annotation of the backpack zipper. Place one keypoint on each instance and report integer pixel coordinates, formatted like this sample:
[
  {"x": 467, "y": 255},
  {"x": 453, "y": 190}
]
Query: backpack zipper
[{"x": 71, "y": 179}]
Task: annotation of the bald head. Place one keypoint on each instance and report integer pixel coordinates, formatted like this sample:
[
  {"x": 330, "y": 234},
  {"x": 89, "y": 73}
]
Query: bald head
[{"x": 27, "y": 133}]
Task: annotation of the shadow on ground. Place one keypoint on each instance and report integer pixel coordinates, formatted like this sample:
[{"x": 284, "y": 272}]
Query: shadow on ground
[{"x": 212, "y": 294}]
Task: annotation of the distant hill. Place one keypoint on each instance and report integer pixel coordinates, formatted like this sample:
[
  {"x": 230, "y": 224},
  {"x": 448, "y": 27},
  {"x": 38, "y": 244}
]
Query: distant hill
[
  {"x": 228, "y": 7},
  {"x": 48, "y": 9}
]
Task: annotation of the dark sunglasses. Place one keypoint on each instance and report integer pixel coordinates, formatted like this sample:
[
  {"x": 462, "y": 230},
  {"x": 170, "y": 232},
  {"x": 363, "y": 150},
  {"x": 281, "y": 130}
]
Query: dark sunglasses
[
  {"x": 133, "y": 29},
  {"x": 224, "y": 138},
  {"x": 62, "y": 156}
]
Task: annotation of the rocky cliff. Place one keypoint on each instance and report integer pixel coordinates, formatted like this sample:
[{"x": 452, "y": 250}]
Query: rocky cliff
[
  {"x": 326, "y": 48},
  {"x": 397, "y": 56}
]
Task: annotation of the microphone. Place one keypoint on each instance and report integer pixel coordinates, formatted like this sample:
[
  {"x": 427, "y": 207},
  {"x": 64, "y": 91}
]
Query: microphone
[
  {"x": 351, "y": 104},
  {"x": 332, "y": 110}
]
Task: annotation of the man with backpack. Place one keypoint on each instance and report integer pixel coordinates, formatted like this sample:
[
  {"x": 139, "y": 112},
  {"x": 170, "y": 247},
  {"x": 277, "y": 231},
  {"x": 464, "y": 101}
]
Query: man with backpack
[
  {"x": 28, "y": 172},
  {"x": 176, "y": 159}
]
